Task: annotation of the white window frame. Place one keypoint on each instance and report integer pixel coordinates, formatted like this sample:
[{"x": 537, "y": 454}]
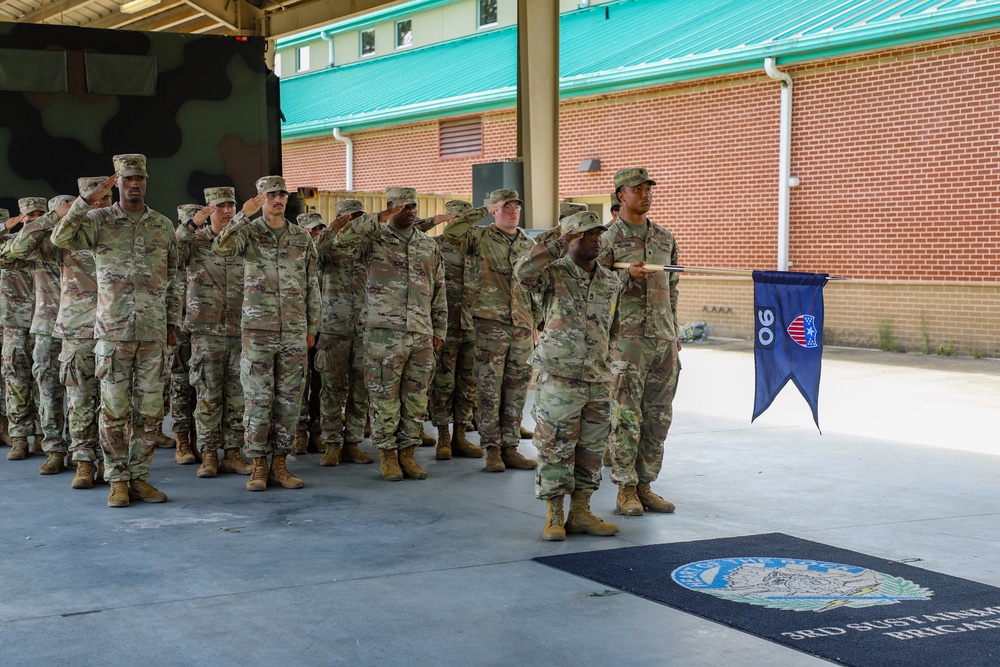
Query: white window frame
[
  {"x": 361, "y": 42},
  {"x": 399, "y": 23},
  {"x": 479, "y": 14},
  {"x": 302, "y": 59}
]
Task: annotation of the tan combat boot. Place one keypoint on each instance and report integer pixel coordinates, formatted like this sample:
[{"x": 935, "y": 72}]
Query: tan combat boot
[
  {"x": 494, "y": 461},
  {"x": 554, "y": 530},
  {"x": 99, "y": 477},
  {"x": 607, "y": 457},
  {"x": 460, "y": 445},
  {"x": 525, "y": 434},
  {"x": 184, "y": 455},
  {"x": 316, "y": 443},
  {"x": 209, "y": 463},
  {"x": 352, "y": 453},
  {"x": 4, "y": 435},
  {"x": 332, "y": 456},
  {"x": 474, "y": 426},
  {"x": 443, "y": 451},
  {"x": 628, "y": 502},
  {"x": 36, "y": 445},
  {"x": 140, "y": 489},
  {"x": 53, "y": 464},
  {"x": 233, "y": 462},
  {"x": 582, "y": 520},
  {"x": 390, "y": 465},
  {"x": 513, "y": 459},
  {"x": 84, "y": 477},
  {"x": 409, "y": 466},
  {"x": 118, "y": 497},
  {"x": 301, "y": 442},
  {"x": 19, "y": 448},
  {"x": 368, "y": 427},
  {"x": 426, "y": 439},
  {"x": 280, "y": 474},
  {"x": 259, "y": 474},
  {"x": 163, "y": 441},
  {"x": 651, "y": 501}
]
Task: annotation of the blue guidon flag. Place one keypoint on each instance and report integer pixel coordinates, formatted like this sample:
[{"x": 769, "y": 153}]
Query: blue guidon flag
[{"x": 788, "y": 335}]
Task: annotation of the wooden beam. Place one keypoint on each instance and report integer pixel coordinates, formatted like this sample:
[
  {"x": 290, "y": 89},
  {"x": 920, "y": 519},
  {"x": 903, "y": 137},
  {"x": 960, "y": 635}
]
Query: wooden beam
[{"x": 316, "y": 13}]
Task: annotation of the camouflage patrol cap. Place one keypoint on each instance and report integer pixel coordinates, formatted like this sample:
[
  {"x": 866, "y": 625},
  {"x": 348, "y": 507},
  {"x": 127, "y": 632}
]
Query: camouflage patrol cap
[
  {"x": 631, "y": 177},
  {"x": 88, "y": 183},
  {"x": 505, "y": 195},
  {"x": 310, "y": 220},
  {"x": 130, "y": 164},
  {"x": 400, "y": 196},
  {"x": 215, "y": 196},
  {"x": 186, "y": 211},
  {"x": 59, "y": 200},
  {"x": 456, "y": 206},
  {"x": 583, "y": 221},
  {"x": 4, "y": 215},
  {"x": 29, "y": 204},
  {"x": 568, "y": 208},
  {"x": 351, "y": 206},
  {"x": 267, "y": 184}
]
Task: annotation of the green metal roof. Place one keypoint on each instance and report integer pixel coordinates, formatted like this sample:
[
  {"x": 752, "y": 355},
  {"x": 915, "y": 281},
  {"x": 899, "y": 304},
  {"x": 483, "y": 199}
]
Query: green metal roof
[{"x": 616, "y": 46}]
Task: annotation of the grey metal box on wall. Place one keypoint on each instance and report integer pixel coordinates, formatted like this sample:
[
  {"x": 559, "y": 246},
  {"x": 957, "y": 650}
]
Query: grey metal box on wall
[{"x": 490, "y": 176}]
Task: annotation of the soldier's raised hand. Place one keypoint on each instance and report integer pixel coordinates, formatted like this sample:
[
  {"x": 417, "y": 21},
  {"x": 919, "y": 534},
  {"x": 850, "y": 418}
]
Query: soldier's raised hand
[
  {"x": 102, "y": 190},
  {"x": 251, "y": 206},
  {"x": 199, "y": 218},
  {"x": 10, "y": 223},
  {"x": 63, "y": 208}
]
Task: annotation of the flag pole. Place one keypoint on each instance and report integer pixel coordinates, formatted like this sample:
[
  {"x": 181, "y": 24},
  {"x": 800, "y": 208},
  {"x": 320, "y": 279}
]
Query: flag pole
[{"x": 672, "y": 268}]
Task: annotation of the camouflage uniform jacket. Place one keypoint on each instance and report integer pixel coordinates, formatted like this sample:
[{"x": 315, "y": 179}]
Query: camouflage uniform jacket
[
  {"x": 549, "y": 235},
  {"x": 459, "y": 297},
  {"x": 578, "y": 307},
  {"x": 138, "y": 293},
  {"x": 499, "y": 297},
  {"x": 343, "y": 277},
  {"x": 214, "y": 296},
  {"x": 646, "y": 307},
  {"x": 17, "y": 291},
  {"x": 280, "y": 277},
  {"x": 78, "y": 295},
  {"x": 405, "y": 290},
  {"x": 33, "y": 245}
]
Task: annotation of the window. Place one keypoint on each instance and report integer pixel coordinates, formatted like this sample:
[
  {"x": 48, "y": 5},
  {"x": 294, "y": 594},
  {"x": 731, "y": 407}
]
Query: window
[
  {"x": 368, "y": 42},
  {"x": 277, "y": 65},
  {"x": 404, "y": 33},
  {"x": 461, "y": 138},
  {"x": 487, "y": 12},
  {"x": 302, "y": 59}
]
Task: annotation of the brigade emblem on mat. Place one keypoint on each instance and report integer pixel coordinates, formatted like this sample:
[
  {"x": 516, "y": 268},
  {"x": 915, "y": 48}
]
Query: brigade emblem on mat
[{"x": 795, "y": 584}]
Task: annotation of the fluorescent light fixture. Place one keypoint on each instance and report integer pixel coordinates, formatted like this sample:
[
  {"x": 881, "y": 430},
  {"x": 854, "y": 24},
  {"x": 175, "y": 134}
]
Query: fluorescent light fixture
[{"x": 134, "y": 6}]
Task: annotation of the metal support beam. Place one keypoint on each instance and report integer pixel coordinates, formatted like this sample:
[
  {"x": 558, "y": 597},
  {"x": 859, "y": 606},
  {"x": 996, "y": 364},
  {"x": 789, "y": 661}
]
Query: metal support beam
[{"x": 538, "y": 109}]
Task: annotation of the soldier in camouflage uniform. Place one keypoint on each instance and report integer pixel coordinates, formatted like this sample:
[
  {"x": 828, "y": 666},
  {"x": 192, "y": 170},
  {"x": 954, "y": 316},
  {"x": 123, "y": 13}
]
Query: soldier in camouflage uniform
[
  {"x": 4, "y": 435},
  {"x": 214, "y": 297},
  {"x": 33, "y": 246},
  {"x": 138, "y": 310},
  {"x": 17, "y": 287},
  {"x": 573, "y": 402},
  {"x": 281, "y": 314},
  {"x": 309, "y": 436},
  {"x": 453, "y": 389},
  {"x": 505, "y": 317},
  {"x": 339, "y": 348},
  {"x": 645, "y": 362},
  {"x": 406, "y": 315},
  {"x": 180, "y": 392}
]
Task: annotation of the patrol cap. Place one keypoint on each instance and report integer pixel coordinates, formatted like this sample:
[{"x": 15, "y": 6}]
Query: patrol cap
[
  {"x": 267, "y": 184},
  {"x": 59, "y": 200},
  {"x": 130, "y": 164},
  {"x": 400, "y": 197},
  {"x": 186, "y": 211},
  {"x": 583, "y": 221},
  {"x": 567, "y": 208},
  {"x": 215, "y": 196},
  {"x": 88, "y": 183},
  {"x": 4, "y": 215},
  {"x": 456, "y": 206},
  {"x": 632, "y": 176},
  {"x": 29, "y": 204},
  {"x": 310, "y": 220},
  {"x": 352, "y": 206},
  {"x": 505, "y": 195}
]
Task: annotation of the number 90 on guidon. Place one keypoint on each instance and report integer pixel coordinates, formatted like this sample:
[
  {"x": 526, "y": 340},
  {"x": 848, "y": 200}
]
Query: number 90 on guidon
[{"x": 764, "y": 328}]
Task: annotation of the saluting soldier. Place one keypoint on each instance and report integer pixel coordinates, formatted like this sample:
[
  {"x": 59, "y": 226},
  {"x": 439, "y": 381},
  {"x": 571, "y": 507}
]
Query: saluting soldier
[{"x": 309, "y": 436}]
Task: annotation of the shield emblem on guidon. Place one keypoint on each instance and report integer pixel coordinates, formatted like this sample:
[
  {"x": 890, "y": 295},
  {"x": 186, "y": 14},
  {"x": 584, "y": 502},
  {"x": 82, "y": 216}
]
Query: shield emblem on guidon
[{"x": 803, "y": 330}]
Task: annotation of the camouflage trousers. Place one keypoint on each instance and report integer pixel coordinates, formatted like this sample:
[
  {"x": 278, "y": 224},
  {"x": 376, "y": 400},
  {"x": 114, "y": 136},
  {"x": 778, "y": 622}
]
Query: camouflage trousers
[
  {"x": 21, "y": 390},
  {"x": 502, "y": 352},
  {"x": 182, "y": 394},
  {"x": 272, "y": 372},
  {"x": 340, "y": 364},
  {"x": 572, "y": 427},
  {"x": 398, "y": 370},
  {"x": 645, "y": 374},
  {"x": 215, "y": 377},
  {"x": 309, "y": 412},
  {"x": 76, "y": 373},
  {"x": 131, "y": 376},
  {"x": 453, "y": 390},
  {"x": 45, "y": 369}
]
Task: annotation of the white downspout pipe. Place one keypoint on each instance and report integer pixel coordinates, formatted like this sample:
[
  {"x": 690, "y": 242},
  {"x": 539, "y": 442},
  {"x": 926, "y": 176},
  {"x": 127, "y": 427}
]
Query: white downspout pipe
[
  {"x": 349, "y": 160},
  {"x": 784, "y": 159},
  {"x": 329, "y": 40}
]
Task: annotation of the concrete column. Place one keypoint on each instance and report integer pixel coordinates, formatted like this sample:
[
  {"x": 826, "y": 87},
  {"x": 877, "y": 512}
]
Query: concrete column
[{"x": 538, "y": 109}]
